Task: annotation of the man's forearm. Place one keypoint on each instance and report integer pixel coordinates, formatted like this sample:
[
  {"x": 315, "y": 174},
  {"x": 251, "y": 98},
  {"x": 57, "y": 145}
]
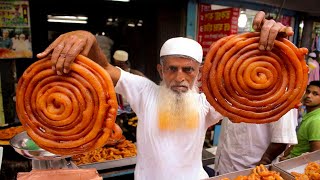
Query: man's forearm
[
  {"x": 97, "y": 55},
  {"x": 274, "y": 150}
]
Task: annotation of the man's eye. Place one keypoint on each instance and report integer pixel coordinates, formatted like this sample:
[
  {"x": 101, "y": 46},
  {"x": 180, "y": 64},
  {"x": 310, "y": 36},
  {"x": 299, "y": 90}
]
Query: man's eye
[
  {"x": 172, "y": 69},
  {"x": 188, "y": 69}
]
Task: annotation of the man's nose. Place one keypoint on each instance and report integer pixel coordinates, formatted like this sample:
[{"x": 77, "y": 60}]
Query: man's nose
[{"x": 180, "y": 77}]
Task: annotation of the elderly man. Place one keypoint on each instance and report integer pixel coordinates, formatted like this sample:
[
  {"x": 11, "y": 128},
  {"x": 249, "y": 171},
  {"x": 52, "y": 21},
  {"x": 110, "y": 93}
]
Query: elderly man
[{"x": 173, "y": 117}]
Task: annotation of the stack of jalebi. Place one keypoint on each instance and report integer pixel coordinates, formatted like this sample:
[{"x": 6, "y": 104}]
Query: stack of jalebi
[
  {"x": 311, "y": 172},
  {"x": 68, "y": 114},
  {"x": 253, "y": 86},
  {"x": 260, "y": 173},
  {"x": 121, "y": 150}
]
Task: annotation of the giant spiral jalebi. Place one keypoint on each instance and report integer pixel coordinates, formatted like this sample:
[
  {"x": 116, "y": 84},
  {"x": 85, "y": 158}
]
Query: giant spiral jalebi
[
  {"x": 68, "y": 114},
  {"x": 253, "y": 86}
]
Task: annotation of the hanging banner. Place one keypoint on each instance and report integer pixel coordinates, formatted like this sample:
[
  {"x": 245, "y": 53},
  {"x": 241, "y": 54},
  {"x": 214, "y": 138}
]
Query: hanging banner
[
  {"x": 15, "y": 38},
  {"x": 215, "y": 24}
]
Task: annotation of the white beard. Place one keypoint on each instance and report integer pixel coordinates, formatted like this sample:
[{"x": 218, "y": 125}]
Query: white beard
[{"x": 178, "y": 111}]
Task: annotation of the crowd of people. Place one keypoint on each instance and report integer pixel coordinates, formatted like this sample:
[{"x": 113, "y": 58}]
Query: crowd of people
[
  {"x": 18, "y": 46},
  {"x": 19, "y": 42},
  {"x": 174, "y": 116}
]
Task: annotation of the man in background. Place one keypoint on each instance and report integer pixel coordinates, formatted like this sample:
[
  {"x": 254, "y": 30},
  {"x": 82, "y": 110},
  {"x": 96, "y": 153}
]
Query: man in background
[
  {"x": 245, "y": 145},
  {"x": 105, "y": 43},
  {"x": 5, "y": 40},
  {"x": 313, "y": 67},
  {"x": 121, "y": 60},
  {"x": 308, "y": 132}
]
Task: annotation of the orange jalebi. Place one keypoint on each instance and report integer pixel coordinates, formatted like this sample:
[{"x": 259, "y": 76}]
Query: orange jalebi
[
  {"x": 253, "y": 86},
  {"x": 259, "y": 173},
  {"x": 311, "y": 172},
  {"x": 6, "y": 134},
  {"x": 71, "y": 113},
  {"x": 122, "y": 150}
]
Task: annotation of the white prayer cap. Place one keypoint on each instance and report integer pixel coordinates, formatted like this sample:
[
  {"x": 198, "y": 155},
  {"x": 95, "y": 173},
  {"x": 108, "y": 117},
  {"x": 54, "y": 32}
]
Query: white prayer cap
[
  {"x": 312, "y": 55},
  {"x": 120, "y": 55},
  {"x": 182, "y": 46}
]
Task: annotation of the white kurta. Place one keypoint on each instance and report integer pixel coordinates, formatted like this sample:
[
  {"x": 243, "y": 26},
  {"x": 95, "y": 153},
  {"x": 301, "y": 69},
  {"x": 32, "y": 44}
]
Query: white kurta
[
  {"x": 241, "y": 145},
  {"x": 164, "y": 155}
]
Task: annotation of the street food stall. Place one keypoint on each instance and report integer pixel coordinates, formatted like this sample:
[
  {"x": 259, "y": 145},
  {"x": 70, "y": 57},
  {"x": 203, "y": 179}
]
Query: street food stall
[
  {"x": 70, "y": 120},
  {"x": 31, "y": 159},
  {"x": 22, "y": 155}
]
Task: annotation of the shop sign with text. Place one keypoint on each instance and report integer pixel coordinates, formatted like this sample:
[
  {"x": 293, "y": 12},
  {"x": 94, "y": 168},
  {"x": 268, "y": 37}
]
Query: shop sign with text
[{"x": 215, "y": 24}]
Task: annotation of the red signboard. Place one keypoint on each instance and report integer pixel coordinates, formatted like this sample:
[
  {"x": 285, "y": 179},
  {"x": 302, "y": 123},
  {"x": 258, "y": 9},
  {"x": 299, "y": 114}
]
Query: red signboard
[{"x": 215, "y": 24}]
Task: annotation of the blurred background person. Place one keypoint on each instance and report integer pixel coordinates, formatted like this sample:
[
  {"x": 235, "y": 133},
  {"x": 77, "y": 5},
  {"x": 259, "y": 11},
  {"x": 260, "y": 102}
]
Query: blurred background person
[
  {"x": 313, "y": 67},
  {"x": 21, "y": 44},
  {"x": 5, "y": 40},
  {"x": 15, "y": 38},
  {"x": 121, "y": 59},
  {"x": 105, "y": 44},
  {"x": 245, "y": 145},
  {"x": 309, "y": 130}
]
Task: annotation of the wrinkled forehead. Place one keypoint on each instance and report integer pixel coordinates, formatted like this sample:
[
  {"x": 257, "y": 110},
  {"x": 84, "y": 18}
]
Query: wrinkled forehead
[{"x": 178, "y": 59}]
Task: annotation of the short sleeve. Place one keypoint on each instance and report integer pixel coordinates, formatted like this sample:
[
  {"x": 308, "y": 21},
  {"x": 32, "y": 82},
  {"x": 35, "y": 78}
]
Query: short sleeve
[
  {"x": 314, "y": 130},
  {"x": 284, "y": 130},
  {"x": 212, "y": 116}
]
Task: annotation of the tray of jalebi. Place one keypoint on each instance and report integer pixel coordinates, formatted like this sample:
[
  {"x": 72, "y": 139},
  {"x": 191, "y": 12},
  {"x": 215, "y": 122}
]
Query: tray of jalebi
[
  {"x": 259, "y": 172},
  {"x": 107, "y": 157},
  {"x": 307, "y": 164}
]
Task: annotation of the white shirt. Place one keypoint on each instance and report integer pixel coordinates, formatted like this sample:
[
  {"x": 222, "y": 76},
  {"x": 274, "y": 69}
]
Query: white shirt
[
  {"x": 164, "y": 155},
  {"x": 241, "y": 145},
  {"x": 21, "y": 45}
]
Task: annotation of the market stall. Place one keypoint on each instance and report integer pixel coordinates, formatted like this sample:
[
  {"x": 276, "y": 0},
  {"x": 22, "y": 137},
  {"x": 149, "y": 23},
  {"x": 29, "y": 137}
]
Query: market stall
[{"x": 21, "y": 155}]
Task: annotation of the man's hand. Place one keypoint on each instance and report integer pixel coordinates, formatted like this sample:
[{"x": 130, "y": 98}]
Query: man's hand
[
  {"x": 66, "y": 47},
  {"x": 283, "y": 158},
  {"x": 273, "y": 150},
  {"x": 269, "y": 30},
  {"x": 314, "y": 145}
]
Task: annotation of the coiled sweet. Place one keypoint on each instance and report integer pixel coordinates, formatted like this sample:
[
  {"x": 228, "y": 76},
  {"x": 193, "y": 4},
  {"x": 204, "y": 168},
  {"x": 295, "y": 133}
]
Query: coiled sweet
[
  {"x": 68, "y": 114},
  {"x": 253, "y": 86}
]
